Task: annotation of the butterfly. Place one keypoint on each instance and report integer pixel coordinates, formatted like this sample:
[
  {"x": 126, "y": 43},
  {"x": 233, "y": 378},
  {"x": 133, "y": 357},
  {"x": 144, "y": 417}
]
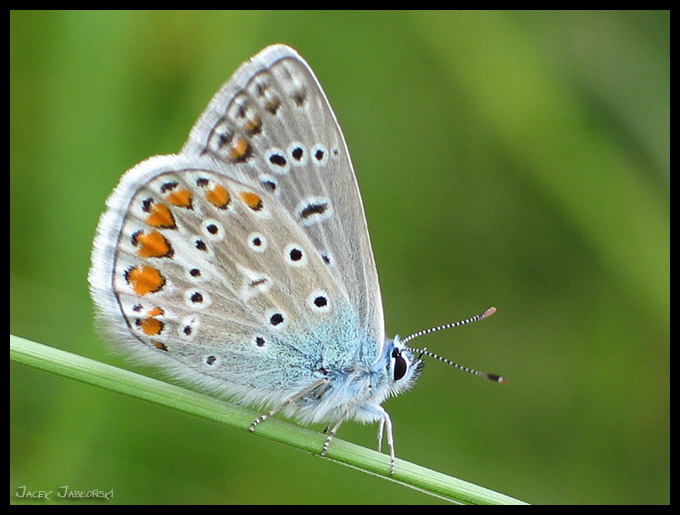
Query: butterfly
[{"x": 243, "y": 263}]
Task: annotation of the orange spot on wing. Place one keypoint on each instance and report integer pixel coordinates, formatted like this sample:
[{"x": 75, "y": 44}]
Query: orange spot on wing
[
  {"x": 273, "y": 105},
  {"x": 253, "y": 126},
  {"x": 145, "y": 279},
  {"x": 218, "y": 196},
  {"x": 151, "y": 244},
  {"x": 150, "y": 326},
  {"x": 239, "y": 150},
  {"x": 180, "y": 198},
  {"x": 160, "y": 216},
  {"x": 154, "y": 312},
  {"x": 253, "y": 201}
]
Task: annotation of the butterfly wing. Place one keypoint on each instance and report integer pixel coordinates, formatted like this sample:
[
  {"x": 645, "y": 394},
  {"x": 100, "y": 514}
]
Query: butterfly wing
[
  {"x": 243, "y": 263},
  {"x": 211, "y": 278},
  {"x": 272, "y": 127}
]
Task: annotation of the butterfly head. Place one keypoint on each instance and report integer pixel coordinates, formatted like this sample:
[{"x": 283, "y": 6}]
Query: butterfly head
[{"x": 401, "y": 365}]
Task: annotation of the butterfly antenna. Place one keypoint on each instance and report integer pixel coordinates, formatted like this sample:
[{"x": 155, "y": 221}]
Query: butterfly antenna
[{"x": 424, "y": 351}]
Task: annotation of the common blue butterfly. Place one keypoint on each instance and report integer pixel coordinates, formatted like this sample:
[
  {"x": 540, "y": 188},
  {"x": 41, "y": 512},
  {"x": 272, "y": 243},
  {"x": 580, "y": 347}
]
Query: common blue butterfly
[{"x": 243, "y": 264}]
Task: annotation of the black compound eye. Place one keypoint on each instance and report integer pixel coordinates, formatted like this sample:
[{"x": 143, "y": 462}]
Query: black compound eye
[{"x": 400, "y": 365}]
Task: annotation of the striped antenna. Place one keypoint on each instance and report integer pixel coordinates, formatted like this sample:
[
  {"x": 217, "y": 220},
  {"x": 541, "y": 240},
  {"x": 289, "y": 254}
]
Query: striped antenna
[{"x": 424, "y": 351}]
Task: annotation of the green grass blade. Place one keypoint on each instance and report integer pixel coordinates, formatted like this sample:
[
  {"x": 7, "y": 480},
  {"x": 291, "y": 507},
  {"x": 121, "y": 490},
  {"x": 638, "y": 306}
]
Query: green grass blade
[{"x": 135, "y": 385}]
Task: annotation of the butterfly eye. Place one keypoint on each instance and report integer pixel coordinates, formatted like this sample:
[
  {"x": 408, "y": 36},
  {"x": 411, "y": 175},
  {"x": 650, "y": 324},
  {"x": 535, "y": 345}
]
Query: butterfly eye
[{"x": 399, "y": 364}]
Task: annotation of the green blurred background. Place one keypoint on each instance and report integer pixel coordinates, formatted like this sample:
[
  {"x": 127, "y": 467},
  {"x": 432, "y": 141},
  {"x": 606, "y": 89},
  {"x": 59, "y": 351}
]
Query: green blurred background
[{"x": 516, "y": 159}]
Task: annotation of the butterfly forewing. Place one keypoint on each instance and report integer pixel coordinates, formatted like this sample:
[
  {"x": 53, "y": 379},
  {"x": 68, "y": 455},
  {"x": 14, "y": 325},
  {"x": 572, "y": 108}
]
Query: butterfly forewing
[{"x": 271, "y": 126}]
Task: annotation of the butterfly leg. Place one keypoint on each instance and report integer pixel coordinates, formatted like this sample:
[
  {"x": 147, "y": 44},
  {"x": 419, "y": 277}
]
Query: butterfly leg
[
  {"x": 342, "y": 418},
  {"x": 294, "y": 398},
  {"x": 386, "y": 423},
  {"x": 381, "y": 425}
]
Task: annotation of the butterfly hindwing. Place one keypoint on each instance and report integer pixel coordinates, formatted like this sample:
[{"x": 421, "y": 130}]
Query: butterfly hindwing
[{"x": 214, "y": 275}]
